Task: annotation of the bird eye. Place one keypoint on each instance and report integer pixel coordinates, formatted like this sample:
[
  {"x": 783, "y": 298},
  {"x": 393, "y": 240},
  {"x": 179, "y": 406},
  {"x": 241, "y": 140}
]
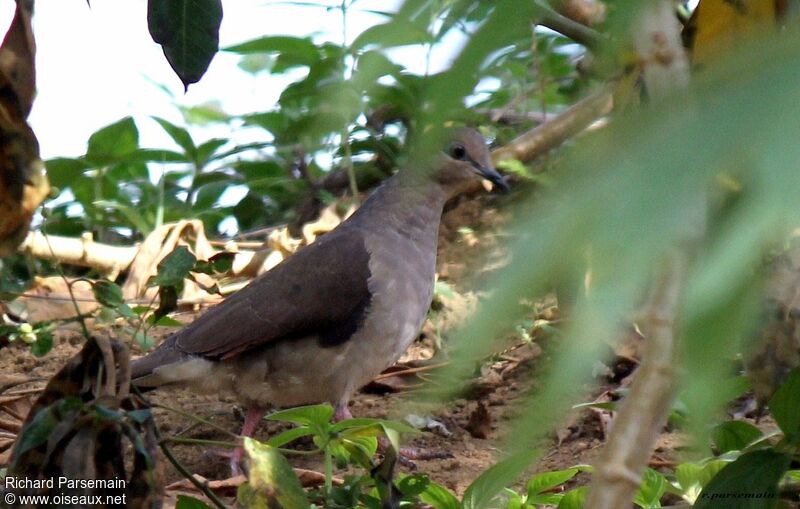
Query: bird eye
[{"x": 457, "y": 151}]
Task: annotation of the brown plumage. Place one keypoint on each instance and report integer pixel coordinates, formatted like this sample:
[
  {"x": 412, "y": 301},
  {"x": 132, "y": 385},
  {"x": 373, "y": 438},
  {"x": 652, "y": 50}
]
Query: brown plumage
[{"x": 328, "y": 319}]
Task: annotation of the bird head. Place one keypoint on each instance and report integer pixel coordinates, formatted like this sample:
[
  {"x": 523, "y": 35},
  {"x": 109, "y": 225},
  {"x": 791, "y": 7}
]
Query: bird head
[{"x": 466, "y": 159}]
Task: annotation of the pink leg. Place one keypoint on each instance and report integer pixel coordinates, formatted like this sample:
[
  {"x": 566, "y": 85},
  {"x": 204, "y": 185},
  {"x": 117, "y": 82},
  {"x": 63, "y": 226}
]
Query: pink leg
[{"x": 251, "y": 420}]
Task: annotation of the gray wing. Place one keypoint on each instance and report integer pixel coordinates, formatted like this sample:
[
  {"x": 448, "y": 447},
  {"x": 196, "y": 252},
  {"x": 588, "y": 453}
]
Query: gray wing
[{"x": 322, "y": 290}]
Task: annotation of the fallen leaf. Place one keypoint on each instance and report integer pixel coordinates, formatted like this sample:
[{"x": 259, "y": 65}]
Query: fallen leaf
[{"x": 48, "y": 298}]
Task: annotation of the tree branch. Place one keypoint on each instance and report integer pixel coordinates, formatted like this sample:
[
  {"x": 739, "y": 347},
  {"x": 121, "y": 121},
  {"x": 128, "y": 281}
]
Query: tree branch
[
  {"x": 645, "y": 409},
  {"x": 579, "y": 33},
  {"x": 558, "y": 129}
]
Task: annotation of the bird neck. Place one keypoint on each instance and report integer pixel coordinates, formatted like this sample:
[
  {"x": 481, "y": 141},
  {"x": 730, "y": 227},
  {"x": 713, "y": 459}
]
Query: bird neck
[{"x": 410, "y": 204}]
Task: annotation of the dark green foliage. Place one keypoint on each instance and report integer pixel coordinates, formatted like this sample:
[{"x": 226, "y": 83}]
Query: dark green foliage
[
  {"x": 785, "y": 407},
  {"x": 188, "y": 31},
  {"x": 185, "y": 502},
  {"x": 749, "y": 482},
  {"x": 735, "y": 436}
]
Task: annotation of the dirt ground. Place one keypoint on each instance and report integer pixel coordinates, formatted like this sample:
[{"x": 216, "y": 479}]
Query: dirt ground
[{"x": 472, "y": 429}]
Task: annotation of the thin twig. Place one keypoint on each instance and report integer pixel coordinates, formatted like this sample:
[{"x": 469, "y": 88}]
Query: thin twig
[
  {"x": 202, "y": 486},
  {"x": 63, "y": 275},
  {"x": 578, "y": 32},
  {"x": 409, "y": 371}
]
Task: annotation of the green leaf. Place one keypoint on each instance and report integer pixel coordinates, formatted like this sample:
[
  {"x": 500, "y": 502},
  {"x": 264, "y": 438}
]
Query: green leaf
[
  {"x": 188, "y": 32},
  {"x": 43, "y": 343},
  {"x": 305, "y": 415},
  {"x": 272, "y": 121},
  {"x": 651, "y": 490},
  {"x": 398, "y": 426},
  {"x": 439, "y": 497},
  {"x": 548, "y": 480},
  {"x": 734, "y": 436},
  {"x": 185, "y": 502},
  {"x": 301, "y": 51},
  {"x": 413, "y": 485},
  {"x": 155, "y": 155},
  {"x": 167, "y": 303},
  {"x": 397, "y": 32},
  {"x": 113, "y": 142},
  {"x": 207, "y": 195},
  {"x": 785, "y": 407},
  {"x": 207, "y": 149},
  {"x": 107, "y": 293},
  {"x": 62, "y": 171},
  {"x": 485, "y": 488},
  {"x": 164, "y": 321},
  {"x": 180, "y": 136},
  {"x": 220, "y": 263},
  {"x": 289, "y": 435},
  {"x": 272, "y": 476},
  {"x": 574, "y": 499},
  {"x": 204, "y": 114},
  {"x": 130, "y": 213},
  {"x": 174, "y": 268},
  {"x": 750, "y": 482},
  {"x": 690, "y": 475}
]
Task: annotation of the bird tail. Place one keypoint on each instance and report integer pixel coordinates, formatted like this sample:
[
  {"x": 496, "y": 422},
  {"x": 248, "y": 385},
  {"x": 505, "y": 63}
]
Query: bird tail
[{"x": 144, "y": 370}]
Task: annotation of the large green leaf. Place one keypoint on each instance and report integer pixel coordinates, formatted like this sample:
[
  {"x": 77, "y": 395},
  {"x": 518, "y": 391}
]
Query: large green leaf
[
  {"x": 305, "y": 415},
  {"x": 734, "y": 435},
  {"x": 180, "y": 136},
  {"x": 174, "y": 268},
  {"x": 185, "y": 502},
  {"x": 750, "y": 482},
  {"x": 785, "y": 406},
  {"x": 292, "y": 51},
  {"x": 397, "y": 32},
  {"x": 113, "y": 142},
  {"x": 61, "y": 171},
  {"x": 484, "y": 489},
  {"x": 188, "y": 32},
  {"x": 271, "y": 477}
]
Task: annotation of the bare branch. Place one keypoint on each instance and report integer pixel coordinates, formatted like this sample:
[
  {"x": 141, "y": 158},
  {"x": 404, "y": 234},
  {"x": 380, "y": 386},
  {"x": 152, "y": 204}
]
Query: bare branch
[
  {"x": 557, "y": 129},
  {"x": 644, "y": 411}
]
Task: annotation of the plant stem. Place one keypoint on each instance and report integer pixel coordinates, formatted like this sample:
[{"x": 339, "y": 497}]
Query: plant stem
[
  {"x": 199, "y": 441},
  {"x": 328, "y": 473},
  {"x": 202, "y": 486}
]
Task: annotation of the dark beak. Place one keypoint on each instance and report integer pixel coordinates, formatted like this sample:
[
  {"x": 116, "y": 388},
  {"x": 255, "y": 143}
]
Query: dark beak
[{"x": 494, "y": 177}]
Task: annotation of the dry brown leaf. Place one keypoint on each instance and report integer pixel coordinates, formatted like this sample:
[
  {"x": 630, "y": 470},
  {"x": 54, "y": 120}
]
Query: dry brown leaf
[
  {"x": 328, "y": 220},
  {"x": 49, "y": 299},
  {"x": 7, "y": 381},
  {"x": 90, "y": 440},
  {"x": 161, "y": 242},
  {"x": 308, "y": 478}
]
